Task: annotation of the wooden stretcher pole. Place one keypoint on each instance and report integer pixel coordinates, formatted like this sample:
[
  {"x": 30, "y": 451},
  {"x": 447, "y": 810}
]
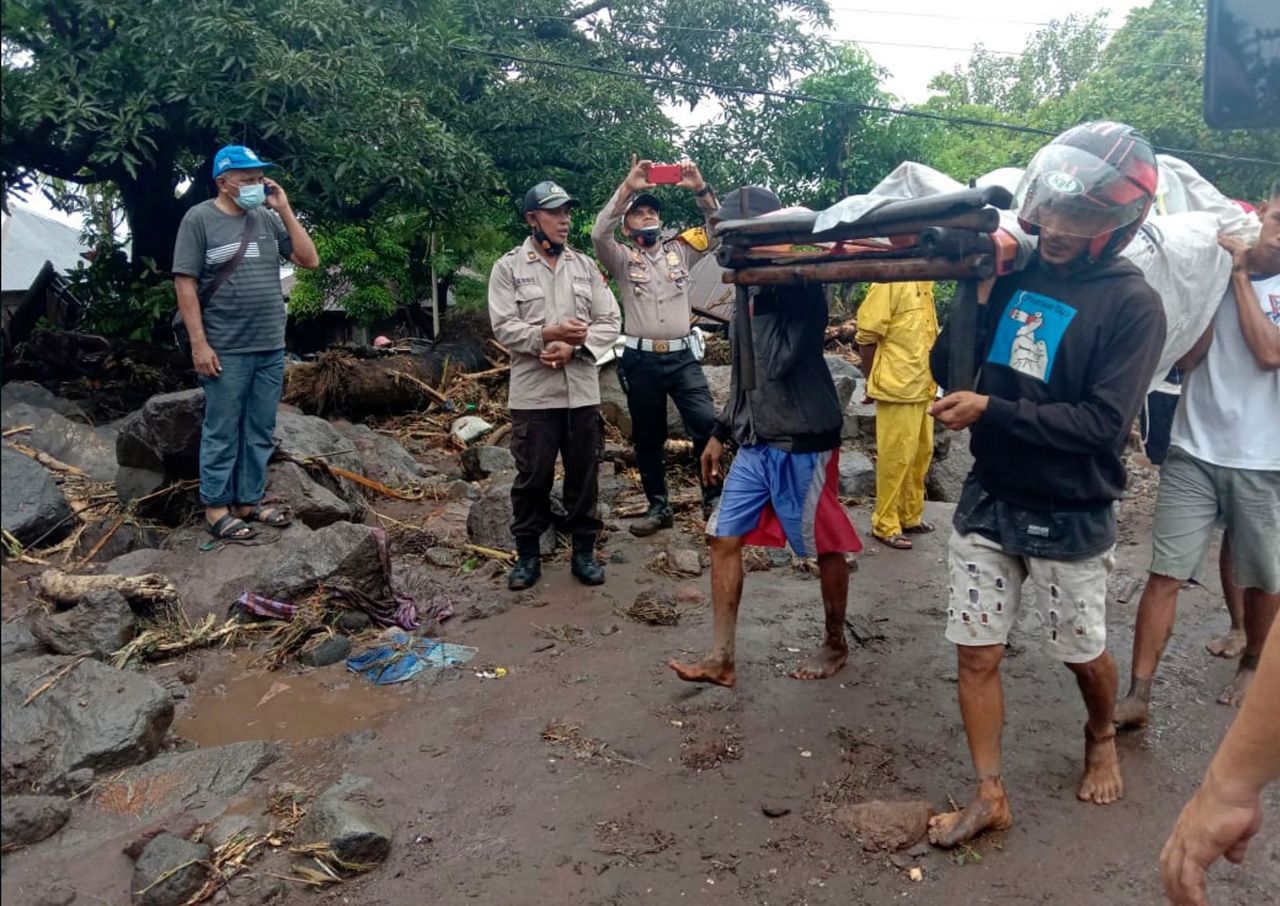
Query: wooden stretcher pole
[
  {"x": 972, "y": 267},
  {"x": 966, "y": 316}
]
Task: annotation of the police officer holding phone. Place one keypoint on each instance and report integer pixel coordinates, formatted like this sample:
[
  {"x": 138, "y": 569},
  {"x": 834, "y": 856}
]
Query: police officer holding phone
[{"x": 659, "y": 360}]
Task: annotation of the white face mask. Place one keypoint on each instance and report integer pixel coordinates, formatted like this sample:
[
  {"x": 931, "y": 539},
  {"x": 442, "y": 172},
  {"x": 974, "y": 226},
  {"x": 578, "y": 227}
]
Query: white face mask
[{"x": 251, "y": 197}]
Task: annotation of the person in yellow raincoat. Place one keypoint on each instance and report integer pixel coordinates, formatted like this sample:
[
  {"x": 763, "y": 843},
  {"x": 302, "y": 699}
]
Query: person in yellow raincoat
[{"x": 897, "y": 324}]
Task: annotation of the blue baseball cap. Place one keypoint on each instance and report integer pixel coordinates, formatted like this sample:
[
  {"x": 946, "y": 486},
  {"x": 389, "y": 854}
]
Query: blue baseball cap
[{"x": 238, "y": 157}]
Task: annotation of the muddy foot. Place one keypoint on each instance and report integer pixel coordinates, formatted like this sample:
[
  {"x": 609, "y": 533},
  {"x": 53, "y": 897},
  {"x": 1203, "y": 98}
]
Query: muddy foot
[
  {"x": 1132, "y": 713},
  {"x": 1229, "y": 646},
  {"x": 1102, "y": 783},
  {"x": 824, "y": 662},
  {"x": 1234, "y": 694},
  {"x": 712, "y": 670},
  {"x": 980, "y": 815}
]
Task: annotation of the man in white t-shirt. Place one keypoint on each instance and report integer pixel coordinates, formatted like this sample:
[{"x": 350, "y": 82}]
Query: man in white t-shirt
[{"x": 1224, "y": 463}]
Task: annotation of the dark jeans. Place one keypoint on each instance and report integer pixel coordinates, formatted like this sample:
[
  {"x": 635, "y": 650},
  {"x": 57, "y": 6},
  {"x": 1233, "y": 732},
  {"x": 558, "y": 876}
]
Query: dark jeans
[
  {"x": 537, "y": 436},
  {"x": 649, "y": 378},
  {"x": 239, "y": 419}
]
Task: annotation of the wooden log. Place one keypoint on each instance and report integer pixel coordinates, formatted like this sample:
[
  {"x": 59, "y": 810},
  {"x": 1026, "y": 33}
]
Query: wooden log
[
  {"x": 973, "y": 267},
  {"x": 748, "y": 256},
  {"x": 67, "y": 589}
]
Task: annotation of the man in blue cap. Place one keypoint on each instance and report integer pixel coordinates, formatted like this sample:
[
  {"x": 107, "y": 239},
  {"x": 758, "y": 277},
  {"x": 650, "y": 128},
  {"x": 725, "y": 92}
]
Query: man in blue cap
[{"x": 226, "y": 267}]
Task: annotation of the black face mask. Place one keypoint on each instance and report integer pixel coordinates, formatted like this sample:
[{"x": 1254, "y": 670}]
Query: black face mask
[
  {"x": 646, "y": 236},
  {"x": 551, "y": 248}
]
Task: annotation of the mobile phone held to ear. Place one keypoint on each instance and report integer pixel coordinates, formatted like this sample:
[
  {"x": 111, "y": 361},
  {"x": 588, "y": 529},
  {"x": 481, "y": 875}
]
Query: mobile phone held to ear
[
  {"x": 268, "y": 190},
  {"x": 664, "y": 174}
]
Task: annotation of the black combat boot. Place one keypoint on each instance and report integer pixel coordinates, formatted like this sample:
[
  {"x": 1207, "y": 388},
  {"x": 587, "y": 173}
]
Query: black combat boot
[
  {"x": 658, "y": 517},
  {"x": 584, "y": 565},
  {"x": 528, "y": 568}
]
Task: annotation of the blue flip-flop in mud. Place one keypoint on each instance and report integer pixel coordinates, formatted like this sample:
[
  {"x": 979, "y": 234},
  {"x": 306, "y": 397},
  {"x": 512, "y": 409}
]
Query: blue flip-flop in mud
[{"x": 404, "y": 657}]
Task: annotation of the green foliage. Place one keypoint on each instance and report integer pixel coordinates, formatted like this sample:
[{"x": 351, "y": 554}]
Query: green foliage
[
  {"x": 122, "y": 303},
  {"x": 1149, "y": 75},
  {"x": 362, "y": 268},
  {"x": 812, "y": 152}
]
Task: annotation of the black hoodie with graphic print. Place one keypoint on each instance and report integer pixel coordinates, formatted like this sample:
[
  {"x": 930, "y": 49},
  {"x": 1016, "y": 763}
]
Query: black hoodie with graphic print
[{"x": 1066, "y": 357}]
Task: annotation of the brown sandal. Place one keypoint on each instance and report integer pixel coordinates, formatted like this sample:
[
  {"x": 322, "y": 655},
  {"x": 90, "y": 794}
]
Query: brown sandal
[
  {"x": 923, "y": 528},
  {"x": 898, "y": 542}
]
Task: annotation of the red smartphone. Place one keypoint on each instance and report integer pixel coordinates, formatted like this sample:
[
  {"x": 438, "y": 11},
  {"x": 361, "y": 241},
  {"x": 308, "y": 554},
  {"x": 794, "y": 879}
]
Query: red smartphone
[{"x": 664, "y": 174}]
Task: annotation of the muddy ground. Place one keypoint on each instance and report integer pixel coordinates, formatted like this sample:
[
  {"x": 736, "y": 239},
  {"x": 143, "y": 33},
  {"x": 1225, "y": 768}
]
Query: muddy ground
[{"x": 652, "y": 790}]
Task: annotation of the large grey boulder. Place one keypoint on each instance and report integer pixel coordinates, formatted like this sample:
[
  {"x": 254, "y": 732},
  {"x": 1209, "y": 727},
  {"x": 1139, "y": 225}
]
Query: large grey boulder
[
  {"x": 300, "y": 437},
  {"x": 164, "y": 435},
  {"x": 489, "y": 521},
  {"x": 343, "y": 551},
  {"x": 163, "y": 784},
  {"x": 482, "y": 461},
  {"x": 351, "y": 831},
  {"x": 857, "y": 474},
  {"x": 25, "y": 820},
  {"x": 841, "y": 368},
  {"x": 169, "y": 871},
  {"x": 313, "y": 504},
  {"x": 100, "y": 624},
  {"x": 945, "y": 478},
  {"x": 17, "y": 641},
  {"x": 73, "y": 442},
  {"x": 32, "y": 507},
  {"x": 860, "y": 421},
  {"x": 93, "y": 717},
  {"x": 28, "y": 393},
  {"x": 382, "y": 458}
]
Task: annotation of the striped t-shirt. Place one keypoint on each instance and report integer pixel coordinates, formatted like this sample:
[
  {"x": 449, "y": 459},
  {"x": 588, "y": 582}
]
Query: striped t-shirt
[{"x": 247, "y": 313}]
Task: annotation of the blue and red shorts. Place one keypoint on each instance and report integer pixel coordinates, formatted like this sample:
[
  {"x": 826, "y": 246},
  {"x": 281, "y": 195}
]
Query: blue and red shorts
[{"x": 772, "y": 497}]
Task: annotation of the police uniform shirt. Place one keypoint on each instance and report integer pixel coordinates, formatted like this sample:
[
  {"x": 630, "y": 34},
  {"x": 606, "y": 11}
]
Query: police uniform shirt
[
  {"x": 525, "y": 294},
  {"x": 653, "y": 282}
]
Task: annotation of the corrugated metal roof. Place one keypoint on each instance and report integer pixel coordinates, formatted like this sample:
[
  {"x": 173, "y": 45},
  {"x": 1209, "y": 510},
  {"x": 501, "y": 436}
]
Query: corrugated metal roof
[{"x": 29, "y": 240}]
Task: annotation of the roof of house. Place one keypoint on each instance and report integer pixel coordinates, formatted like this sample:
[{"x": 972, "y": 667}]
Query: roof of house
[{"x": 28, "y": 240}]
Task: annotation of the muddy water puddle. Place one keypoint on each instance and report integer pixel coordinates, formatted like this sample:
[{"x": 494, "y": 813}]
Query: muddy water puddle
[{"x": 233, "y": 702}]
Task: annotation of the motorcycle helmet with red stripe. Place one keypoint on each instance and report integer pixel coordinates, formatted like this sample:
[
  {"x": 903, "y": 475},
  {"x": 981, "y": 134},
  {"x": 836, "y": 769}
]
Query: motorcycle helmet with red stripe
[{"x": 1097, "y": 181}]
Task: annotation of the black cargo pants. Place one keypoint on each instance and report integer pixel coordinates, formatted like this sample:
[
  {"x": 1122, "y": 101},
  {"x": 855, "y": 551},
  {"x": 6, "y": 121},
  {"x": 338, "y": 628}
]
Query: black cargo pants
[
  {"x": 537, "y": 437},
  {"x": 649, "y": 378}
]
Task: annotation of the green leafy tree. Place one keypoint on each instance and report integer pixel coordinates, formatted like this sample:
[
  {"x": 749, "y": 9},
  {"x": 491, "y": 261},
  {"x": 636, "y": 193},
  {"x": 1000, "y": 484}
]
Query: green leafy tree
[{"x": 812, "y": 152}]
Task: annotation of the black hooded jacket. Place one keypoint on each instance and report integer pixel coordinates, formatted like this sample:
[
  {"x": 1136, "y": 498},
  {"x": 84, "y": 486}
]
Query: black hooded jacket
[{"x": 1066, "y": 358}]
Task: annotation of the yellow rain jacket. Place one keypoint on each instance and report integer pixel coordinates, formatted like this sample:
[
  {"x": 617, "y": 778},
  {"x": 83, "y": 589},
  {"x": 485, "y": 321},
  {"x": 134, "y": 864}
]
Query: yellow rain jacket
[{"x": 900, "y": 320}]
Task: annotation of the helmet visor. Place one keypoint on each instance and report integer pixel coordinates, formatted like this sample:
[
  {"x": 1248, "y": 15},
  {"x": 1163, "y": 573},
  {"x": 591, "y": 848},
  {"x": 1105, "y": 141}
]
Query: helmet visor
[{"x": 1071, "y": 191}]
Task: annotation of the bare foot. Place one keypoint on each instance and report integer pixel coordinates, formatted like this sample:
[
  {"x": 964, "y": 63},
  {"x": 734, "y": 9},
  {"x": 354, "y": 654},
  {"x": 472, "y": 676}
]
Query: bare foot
[
  {"x": 1234, "y": 694},
  {"x": 826, "y": 661},
  {"x": 1132, "y": 713},
  {"x": 1229, "y": 646},
  {"x": 1102, "y": 783},
  {"x": 954, "y": 828},
  {"x": 713, "y": 670}
]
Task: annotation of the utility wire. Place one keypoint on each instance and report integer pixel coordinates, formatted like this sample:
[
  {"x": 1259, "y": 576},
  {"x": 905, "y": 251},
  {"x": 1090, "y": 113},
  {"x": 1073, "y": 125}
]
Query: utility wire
[
  {"x": 1000, "y": 20},
  {"x": 1150, "y": 64},
  {"x": 811, "y": 99}
]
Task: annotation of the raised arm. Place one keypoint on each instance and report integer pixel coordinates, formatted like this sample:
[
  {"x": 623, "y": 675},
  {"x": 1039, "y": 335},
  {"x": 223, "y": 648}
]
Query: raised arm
[
  {"x": 1260, "y": 335},
  {"x": 608, "y": 249}
]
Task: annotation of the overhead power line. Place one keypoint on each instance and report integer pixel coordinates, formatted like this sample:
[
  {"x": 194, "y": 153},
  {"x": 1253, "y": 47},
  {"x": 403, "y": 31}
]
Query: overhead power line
[
  {"x": 1001, "y": 20},
  {"x": 1148, "y": 64},
  {"x": 811, "y": 99}
]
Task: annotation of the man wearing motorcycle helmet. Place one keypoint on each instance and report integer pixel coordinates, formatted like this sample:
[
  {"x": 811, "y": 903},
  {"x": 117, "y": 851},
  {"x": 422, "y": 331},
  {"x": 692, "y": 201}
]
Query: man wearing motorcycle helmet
[{"x": 1067, "y": 350}]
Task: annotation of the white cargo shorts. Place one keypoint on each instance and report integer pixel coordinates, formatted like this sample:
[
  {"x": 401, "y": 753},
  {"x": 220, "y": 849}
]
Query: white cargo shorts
[{"x": 1068, "y": 598}]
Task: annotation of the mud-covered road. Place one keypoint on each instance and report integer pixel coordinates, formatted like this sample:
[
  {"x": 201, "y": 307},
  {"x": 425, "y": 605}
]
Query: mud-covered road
[{"x": 650, "y": 791}]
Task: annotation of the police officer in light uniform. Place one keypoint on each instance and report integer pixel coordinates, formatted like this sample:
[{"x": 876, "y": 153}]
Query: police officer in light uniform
[
  {"x": 659, "y": 361},
  {"x": 552, "y": 309}
]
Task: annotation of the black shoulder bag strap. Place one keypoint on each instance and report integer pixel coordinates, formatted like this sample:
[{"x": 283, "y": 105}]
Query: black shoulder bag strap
[{"x": 224, "y": 273}]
